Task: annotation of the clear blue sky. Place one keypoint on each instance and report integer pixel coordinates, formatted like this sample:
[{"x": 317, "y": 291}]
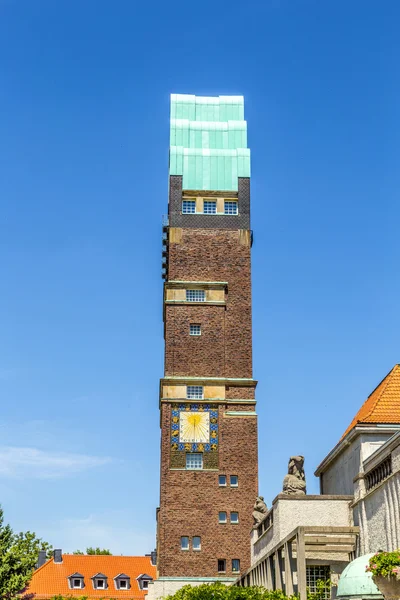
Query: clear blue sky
[{"x": 84, "y": 105}]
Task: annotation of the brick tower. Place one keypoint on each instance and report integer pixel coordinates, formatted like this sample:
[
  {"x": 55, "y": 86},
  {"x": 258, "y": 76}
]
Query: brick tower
[{"x": 209, "y": 478}]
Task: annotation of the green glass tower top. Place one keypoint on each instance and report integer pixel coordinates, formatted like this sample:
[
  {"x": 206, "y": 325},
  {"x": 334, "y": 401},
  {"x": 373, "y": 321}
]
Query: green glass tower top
[{"x": 208, "y": 142}]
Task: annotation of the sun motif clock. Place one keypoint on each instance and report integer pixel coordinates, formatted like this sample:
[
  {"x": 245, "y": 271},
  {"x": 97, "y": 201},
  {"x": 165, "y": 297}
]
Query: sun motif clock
[{"x": 194, "y": 427}]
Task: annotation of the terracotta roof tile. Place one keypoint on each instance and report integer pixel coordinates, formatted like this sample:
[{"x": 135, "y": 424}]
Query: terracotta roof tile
[
  {"x": 52, "y": 578},
  {"x": 383, "y": 405}
]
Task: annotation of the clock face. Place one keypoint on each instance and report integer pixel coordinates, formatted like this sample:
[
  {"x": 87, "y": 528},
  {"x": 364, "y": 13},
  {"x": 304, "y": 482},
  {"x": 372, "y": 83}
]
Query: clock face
[{"x": 194, "y": 427}]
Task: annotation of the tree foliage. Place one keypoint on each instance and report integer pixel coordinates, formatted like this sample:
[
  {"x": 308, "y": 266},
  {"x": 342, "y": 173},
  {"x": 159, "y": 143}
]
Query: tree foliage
[
  {"x": 219, "y": 591},
  {"x": 18, "y": 557},
  {"x": 93, "y": 551}
]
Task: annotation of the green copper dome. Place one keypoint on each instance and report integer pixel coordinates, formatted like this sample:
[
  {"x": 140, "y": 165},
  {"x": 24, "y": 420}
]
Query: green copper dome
[
  {"x": 355, "y": 582},
  {"x": 208, "y": 142}
]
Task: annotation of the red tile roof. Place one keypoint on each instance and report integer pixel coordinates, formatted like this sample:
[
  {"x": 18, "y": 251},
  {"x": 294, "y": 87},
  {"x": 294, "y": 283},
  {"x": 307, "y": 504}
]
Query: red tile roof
[
  {"x": 52, "y": 578},
  {"x": 383, "y": 404}
]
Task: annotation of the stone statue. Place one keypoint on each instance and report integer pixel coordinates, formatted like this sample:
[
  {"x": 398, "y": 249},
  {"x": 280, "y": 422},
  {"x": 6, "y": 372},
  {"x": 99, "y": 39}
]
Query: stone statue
[
  {"x": 294, "y": 483},
  {"x": 259, "y": 511}
]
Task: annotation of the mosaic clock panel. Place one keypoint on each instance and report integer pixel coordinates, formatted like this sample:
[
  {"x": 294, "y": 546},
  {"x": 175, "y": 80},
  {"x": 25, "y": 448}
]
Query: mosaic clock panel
[{"x": 194, "y": 428}]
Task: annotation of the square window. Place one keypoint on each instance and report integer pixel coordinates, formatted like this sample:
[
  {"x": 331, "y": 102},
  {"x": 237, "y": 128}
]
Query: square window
[
  {"x": 221, "y": 565},
  {"x": 222, "y": 517},
  {"x": 234, "y": 481},
  {"x": 195, "y": 329},
  {"x": 76, "y": 584},
  {"x": 316, "y": 573},
  {"x": 145, "y": 585},
  {"x": 230, "y": 207},
  {"x": 123, "y": 584},
  {"x": 188, "y": 207},
  {"x": 184, "y": 543},
  {"x": 195, "y": 296},
  {"x": 210, "y": 207},
  {"x": 234, "y": 517},
  {"x": 235, "y": 565},
  {"x": 196, "y": 543},
  {"x": 194, "y": 461},
  {"x": 194, "y": 392},
  {"x": 100, "y": 583},
  {"x": 222, "y": 480}
]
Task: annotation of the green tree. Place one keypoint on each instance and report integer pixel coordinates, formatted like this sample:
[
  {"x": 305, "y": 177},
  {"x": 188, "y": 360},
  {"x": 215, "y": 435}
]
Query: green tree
[
  {"x": 92, "y": 551},
  {"x": 218, "y": 591},
  {"x": 18, "y": 556}
]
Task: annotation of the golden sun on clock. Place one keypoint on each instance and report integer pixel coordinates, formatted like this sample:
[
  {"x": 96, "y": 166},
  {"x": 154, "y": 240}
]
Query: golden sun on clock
[{"x": 194, "y": 427}]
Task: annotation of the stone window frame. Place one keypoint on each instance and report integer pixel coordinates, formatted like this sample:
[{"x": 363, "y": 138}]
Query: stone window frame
[
  {"x": 195, "y": 295},
  {"x": 222, "y": 520},
  {"x": 192, "y": 455},
  {"x": 188, "y": 203},
  {"x": 236, "y": 522},
  {"x": 211, "y": 204},
  {"x": 229, "y": 204},
  {"x": 195, "y": 392}
]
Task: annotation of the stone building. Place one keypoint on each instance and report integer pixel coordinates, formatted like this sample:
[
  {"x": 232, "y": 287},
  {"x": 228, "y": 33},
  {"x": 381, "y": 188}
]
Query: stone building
[
  {"x": 303, "y": 538},
  {"x": 207, "y": 395}
]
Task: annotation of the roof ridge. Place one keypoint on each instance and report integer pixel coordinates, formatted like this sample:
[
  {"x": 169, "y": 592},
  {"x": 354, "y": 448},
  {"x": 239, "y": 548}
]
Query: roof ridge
[{"x": 379, "y": 396}]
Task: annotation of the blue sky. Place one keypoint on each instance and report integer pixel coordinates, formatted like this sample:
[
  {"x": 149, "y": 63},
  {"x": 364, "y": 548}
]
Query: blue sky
[{"x": 84, "y": 105}]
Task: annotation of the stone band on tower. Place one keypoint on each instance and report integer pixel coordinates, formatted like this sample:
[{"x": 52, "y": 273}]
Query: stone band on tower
[{"x": 209, "y": 478}]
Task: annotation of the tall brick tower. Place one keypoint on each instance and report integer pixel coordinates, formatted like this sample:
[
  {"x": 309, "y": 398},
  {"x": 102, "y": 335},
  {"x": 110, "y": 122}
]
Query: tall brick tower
[{"x": 209, "y": 478}]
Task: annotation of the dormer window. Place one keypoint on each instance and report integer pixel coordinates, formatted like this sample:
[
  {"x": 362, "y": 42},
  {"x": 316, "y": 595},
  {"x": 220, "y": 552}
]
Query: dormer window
[
  {"x": 122, "y": 582},
  {"x": 99, "y": 581},
  {"x": 143, "y": 581},
  {"x": 76, "y": 581}
]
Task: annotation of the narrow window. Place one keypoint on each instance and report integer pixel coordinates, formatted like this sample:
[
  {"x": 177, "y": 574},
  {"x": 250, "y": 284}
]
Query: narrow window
[
  {"x": 194, "y": 461},
  {"x": 234, "y": 517},
  {"x": 188, "y": 207},
  {"x": 222, "y": 480},
  {"x": 194, "y": 392},
  {"x": 234, "y": 481},
  {"x": 221, "y": 565},
  {"x": 145, "y": 585},
  {"x": 196, "y": 542},
  {"x": 315, "y": 574},
  {"x": 195, "y": 296},
  {"x": 77, "y": 583},
  {"x": 230, "y": 207},
  {"x": 222, "y": 517},
  {"x": 235, "y": 565},
  {"x": 184, "y": 543},
  {"x": 100, "y": 583},
  {"x": 195, "y": 329},
  {"x": 210, "y": 207}
]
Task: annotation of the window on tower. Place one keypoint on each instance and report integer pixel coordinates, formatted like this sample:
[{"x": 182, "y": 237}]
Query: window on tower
[
  {"x": 222, "y": 480},
  {"x": 184, "y": 543},
  {"x": 230, "y": 207},
  {"x": 234, "y": 481},
  {"x": 234, "y": 517},
  {"x": 194, "y": 461},
  {"x": 188, "y": 207},
  {"x": 210, "y": 207},
  {"x": 195, "y": 296},
  {"x": 195, "y": 329},
  {"x": 194, "y": 392}
]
